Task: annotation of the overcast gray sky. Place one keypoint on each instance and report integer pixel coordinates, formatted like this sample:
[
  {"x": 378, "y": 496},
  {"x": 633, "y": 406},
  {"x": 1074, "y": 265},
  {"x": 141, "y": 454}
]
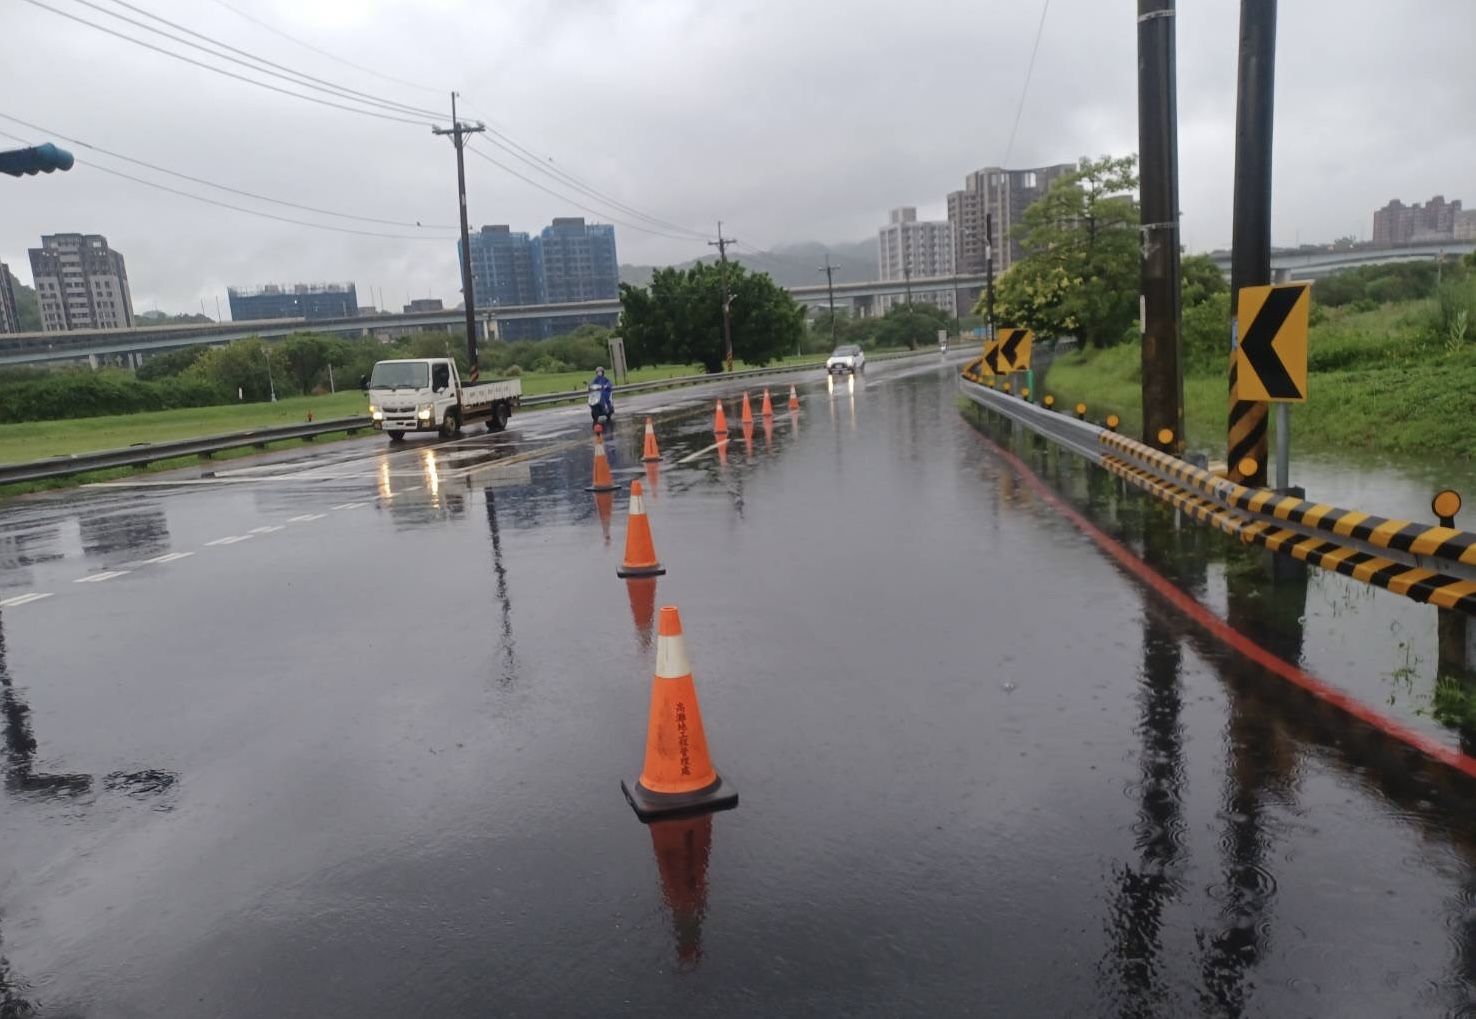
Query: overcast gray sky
[{"x": 791, "y": 120}]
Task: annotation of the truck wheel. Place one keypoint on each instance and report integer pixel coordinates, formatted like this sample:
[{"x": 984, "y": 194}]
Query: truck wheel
[
  {"x": 451, "y": 426},
  {"x": 396, "y": 436},
  {"x": 498, "y": 420}
]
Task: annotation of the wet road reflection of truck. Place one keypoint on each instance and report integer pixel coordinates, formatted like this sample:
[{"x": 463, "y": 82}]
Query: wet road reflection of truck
[{"x": 426, "y": 394}]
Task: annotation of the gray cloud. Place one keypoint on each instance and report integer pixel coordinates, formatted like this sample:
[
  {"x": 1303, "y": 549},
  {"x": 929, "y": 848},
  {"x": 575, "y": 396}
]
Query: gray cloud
[{"x": 789, "y": 120}]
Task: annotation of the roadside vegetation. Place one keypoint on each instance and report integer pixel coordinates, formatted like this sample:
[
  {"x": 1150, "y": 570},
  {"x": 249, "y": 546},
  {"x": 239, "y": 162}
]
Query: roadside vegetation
[{"x": 1391, "y": 355}]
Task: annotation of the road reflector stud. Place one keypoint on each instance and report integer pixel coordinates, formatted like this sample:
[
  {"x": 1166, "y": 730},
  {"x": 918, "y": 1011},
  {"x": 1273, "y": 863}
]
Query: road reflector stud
[
  {"x": 651, "y": 453},
  {"x": 767, "y": 407},
  {"x": 1165, "y": 436},
  {"x": 793, "y": 399},
  {"x": 603, "y": 480},
  {"x": 1446, "y": 504},
  {"x": 747, "y": 415},
  {"x": 1081, "y": 411},
  {"x": 1247, "y": 467},
  {"x": 720, "y": 421},
  {"x": 1113, "y": 421},
  {"x": 1006, "y": 387},
  {"x": 677, "y": 776},
  {"x": 640, "y": 550},
  {"x": 1049, "y": 401},
  {"x": 1025, "y": 393}
]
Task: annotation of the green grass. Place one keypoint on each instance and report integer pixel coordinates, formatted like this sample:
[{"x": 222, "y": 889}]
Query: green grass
[
  {"x": 1379, "y": 382},
  {"x": 33, "y": 440}
]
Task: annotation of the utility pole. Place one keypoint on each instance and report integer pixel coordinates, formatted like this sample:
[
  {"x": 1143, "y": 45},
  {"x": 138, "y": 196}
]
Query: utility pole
[
  {"x": 907, "y": 279},
  {"x": 829, "y": 271},
  {"x": 458, "y": 132},
  {"x": 722, "y": 245},
  {"x": 989, "y": 274},
  {"x": 271, "y": 385},
  {"x": 1158, "y": 145},
  {"x": 1250, "y": 257}
]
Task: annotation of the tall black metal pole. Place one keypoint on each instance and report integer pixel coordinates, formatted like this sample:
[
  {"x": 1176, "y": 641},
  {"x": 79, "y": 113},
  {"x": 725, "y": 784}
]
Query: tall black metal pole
[
  {"x": 458, "y": 132},
  {"x": 722, "y": 245},
  {"x": 1158, "y": 148},
  {"x": 1250, "y": 257},
  {"x": 989, "y": 274},
  {"x": 829, "y": 271}
]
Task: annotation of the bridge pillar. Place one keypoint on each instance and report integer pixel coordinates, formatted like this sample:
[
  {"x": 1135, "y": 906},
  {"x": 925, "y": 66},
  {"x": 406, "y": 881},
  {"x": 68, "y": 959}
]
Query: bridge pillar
[{"x": 92, "y": 361}]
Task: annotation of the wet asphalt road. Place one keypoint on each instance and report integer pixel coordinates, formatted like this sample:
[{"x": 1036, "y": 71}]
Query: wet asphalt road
[{"x": 340, "y": 734}]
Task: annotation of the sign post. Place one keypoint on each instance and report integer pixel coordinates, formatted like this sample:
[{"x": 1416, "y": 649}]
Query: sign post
[{"x": 1271, "y": 357}]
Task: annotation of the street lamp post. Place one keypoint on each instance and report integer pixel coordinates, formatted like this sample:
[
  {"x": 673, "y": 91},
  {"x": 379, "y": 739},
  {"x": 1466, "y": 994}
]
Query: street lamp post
[{"x": 272, "y": 386}]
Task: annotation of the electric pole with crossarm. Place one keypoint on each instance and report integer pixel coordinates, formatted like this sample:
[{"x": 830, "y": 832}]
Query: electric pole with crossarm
[
  {"x": 458, "y": 132},
  {"x": 829, "y": 271},
  {"x": 722, "y": 245}
]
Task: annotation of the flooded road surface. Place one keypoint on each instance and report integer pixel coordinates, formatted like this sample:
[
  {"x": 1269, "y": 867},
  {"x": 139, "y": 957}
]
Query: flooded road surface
[{"x": 342, "y": 735}]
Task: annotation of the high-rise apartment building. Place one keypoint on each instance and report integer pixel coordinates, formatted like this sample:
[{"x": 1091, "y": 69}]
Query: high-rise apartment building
[
  {"x": 9, "y": 318},
  {"x": 503, "y": 276},
  {"x": 300, "y": 300},
  {"x": 575, "y": 261},
  {"x": 1397, "y": 223},
  {"x": 1004, "y": 194},
  {"x": 81, "y": 283},
  {"x": 911, "y": 248}
]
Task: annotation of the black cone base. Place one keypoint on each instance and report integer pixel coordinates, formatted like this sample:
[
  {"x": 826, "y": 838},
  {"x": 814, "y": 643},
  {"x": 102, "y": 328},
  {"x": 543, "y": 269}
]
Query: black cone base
[{"x": 651, "y": 806}]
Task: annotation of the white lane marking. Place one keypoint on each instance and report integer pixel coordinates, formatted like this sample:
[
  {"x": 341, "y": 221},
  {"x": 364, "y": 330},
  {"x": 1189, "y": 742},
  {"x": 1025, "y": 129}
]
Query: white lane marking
[
  {"x": 349, "y": 505},
  {"x": 97, "y": 578},
  {"x": 268, "y": 529},
  {"x": 231, "y": 540},
  {"x": 24, "y": 599},
  {"x": 701, "y": 452},
  {"x": 304, "y": 518},
  {"x": 167, "y": 557}
]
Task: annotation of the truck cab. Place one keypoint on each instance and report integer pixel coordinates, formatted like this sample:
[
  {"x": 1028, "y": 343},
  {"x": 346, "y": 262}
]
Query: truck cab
[{"x": 426, "y": 394}]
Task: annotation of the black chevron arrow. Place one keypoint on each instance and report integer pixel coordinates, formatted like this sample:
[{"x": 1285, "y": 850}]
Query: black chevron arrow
[
  {"x": 1256, "y": 344},
  {"x": 1012, "y": 340},
  {"x": 991, "y": 358}
]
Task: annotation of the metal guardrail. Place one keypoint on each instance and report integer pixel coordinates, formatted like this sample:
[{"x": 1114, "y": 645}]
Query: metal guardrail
[
  {"x": 147, "y": 453},
  {"x": 1423, "y": 562}
]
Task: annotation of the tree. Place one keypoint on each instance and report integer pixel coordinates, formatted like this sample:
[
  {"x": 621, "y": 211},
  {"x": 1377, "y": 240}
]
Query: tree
[
  {"x": 1079, "y": 270},
  {"x": 912, "y": 325},
  {"x": 307, "y": 358},
  {"x": 243, "y": 366},
  {"x": 169, "y": 363},
  {"x": 1200, "y": 279},
  {"x": 678, "y": 319}
]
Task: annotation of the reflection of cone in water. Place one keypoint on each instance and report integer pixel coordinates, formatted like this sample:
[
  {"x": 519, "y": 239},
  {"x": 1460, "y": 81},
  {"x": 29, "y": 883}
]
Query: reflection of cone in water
[
  {"x": 793, "y": 399},
  {"x": 677, "y": 776},
  {"x": 720, "y": 421},
  {"x": 651, "y": 453},
  {"x": 683, "y": 847},
  {"x": 794, "y": 421},
  {"x": 747, "y": 417},
  {"x": 768, "y": 433},
  {"x": 767, "y": 407},
  {"x": 722, "y": 448},
  {"x": 605, "y": 506},
  {"x": 748, "y": 438},
  {"x": 653, "y": 475},
  {"x": 642, "y": 592},
  {"x": 640, "y": 551},
  {"x": 603, "y": 481}
]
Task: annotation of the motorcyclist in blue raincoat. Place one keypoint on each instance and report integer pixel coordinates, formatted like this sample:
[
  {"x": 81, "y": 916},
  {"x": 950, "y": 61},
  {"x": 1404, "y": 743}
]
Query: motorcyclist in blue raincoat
[{"x": 601, "y": 396}]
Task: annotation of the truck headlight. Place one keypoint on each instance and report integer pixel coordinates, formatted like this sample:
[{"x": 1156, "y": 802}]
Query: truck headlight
[
  {"x": 425, "y": 412},
  {"x": 375, "y": 413}
]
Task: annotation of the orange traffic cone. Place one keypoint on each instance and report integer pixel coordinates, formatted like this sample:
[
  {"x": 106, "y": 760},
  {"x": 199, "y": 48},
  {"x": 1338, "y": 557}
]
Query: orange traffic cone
[
  {"x": 605, "y": 507},
  {"x": 651, "y": 453},
  {"x": 678, "y": 776},
  {"x": 720, "y": 421},
  {"x": 640, "y": 552},
  {"x": 642, "y": 592},
  {"x": 603, "y": 481},
  {"x": 747, "y": 417},
  {"x": 767, "y": 408},
  {"x": 793, "y": 399},
  {"x": 683, "y": 847}
]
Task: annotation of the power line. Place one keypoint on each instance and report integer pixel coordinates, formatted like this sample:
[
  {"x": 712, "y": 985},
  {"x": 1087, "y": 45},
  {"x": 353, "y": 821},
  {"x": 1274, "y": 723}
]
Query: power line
[
  {"x": 1024, "y": 89},
  {"x": 238, "y": 208},
  {"x": 287, "y": 74},
  {"x": 220, "y": 187},
  {"x": 322, "y": 52},
  {"x": 565, "y": 198},
  {"x": 223, "y": 71}
]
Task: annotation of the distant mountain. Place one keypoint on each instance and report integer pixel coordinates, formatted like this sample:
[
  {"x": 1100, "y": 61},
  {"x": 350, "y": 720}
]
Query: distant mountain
[
  {"x": 791, "y": 265},
  {"x": 164, "y": 318}
]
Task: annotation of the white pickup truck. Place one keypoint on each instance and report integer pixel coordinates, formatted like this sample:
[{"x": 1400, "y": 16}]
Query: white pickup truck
[{"x": 426, "y": 394}]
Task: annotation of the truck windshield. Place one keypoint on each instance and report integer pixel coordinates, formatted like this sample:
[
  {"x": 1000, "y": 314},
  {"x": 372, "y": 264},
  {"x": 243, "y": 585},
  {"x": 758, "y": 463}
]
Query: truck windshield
[{"x": 399, "y": 375}]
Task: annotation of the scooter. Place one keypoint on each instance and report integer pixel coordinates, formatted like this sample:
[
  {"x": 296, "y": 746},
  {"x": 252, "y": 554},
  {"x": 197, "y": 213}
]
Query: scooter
[{"x": 601, "y": 406}]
